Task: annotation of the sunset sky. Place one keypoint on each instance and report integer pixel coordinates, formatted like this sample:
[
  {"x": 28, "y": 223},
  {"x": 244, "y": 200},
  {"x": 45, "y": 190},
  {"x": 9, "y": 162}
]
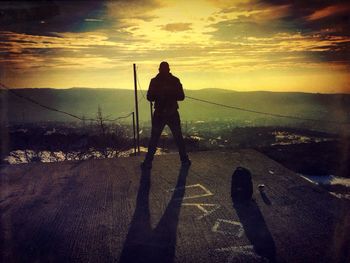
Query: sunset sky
[{"x": 242, "y": 45}]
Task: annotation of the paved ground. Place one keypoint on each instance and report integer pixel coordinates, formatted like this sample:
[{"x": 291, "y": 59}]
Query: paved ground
[{"x": 108, "y": 211}]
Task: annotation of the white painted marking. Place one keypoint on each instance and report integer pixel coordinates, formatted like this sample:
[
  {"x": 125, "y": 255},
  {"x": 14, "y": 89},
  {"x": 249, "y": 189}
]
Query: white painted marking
[
  {"x": 248, "y": 248},
  {"x": 206, "y": 191},
  {"x": 236, "y": 227},
  {"x": 239, "y": 252},
  {"x": 202, "y": 207}
]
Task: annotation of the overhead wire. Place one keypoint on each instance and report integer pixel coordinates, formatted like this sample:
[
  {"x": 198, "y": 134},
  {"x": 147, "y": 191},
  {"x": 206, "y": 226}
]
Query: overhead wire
[
  {"x": 138, "y": 82},
  {"x": 265, "y": 113},
  {"x": 120, "y": 117},
  {"x": 58, "y": 110}
]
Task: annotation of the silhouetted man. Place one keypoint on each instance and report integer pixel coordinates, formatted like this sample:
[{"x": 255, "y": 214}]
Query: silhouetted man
[{"x": 165, "y": 90}]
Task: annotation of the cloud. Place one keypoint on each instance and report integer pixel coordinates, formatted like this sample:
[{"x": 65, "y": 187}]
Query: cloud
[
  {"x": 256, "y": 11},
  {"x": 252, "y": 18},
  {"x": 328, "y": 11},
  {"x": 61, "y": 50},
  {"x": 93, "y": 20},
  {"x": 176, "y": 27},
  {"x": 318, "y": 30},
  {"x": 132, "y": 9},
  {"x": 317, "y": 16},
  {"x": 67, "y": 40},
  {"x": 330, "y": 20},
  {"x": 240, "y": 28},
  {"x": 27, "y": 12},
  {"x": 41, "y": 18}
]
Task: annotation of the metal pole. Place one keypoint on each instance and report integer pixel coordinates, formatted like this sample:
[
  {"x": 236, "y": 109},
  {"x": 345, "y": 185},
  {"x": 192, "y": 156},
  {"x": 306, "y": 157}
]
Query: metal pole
[
  {"x": 137, "y": 112},
  {"x": 133, "y": 128}
]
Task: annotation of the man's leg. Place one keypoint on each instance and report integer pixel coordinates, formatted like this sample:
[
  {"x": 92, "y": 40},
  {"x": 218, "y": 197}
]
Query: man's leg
[
  {"x": 175, "y": 127},
  {"x": 157, "y": 128}
]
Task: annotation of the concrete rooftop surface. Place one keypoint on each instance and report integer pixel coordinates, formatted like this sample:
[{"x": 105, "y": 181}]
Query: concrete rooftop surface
[{"x": 108, "y": 210}]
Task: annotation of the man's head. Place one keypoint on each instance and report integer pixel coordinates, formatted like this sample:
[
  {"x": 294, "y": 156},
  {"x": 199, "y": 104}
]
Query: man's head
[{"x": 164, "y": 67}]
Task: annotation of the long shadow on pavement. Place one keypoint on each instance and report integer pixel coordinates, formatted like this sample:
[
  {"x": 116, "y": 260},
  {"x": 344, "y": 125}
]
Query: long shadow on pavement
[
  {"x": 256, "y": 230},
  {"x": 144, "y": 244}
]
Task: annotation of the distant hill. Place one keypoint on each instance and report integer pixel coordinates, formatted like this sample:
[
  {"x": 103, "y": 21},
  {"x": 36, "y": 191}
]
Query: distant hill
[{"x": 116, "y": 102}]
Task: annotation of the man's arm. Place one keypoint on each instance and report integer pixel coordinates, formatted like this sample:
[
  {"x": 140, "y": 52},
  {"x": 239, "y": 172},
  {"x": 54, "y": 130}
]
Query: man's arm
[
  {"x": 151, "y": 96},
  {"x": 180, "y": 95}
]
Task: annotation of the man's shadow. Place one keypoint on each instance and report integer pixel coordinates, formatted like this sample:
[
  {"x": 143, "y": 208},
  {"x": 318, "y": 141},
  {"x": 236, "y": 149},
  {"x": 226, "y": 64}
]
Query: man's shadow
[{"x": 144, "y": 244}]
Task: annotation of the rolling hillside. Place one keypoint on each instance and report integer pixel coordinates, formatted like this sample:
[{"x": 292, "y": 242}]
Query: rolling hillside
[{"x": 116, "y": 102}]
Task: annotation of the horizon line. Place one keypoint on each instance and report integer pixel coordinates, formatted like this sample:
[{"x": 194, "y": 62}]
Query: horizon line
[{"x": 201, "y": 89}]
